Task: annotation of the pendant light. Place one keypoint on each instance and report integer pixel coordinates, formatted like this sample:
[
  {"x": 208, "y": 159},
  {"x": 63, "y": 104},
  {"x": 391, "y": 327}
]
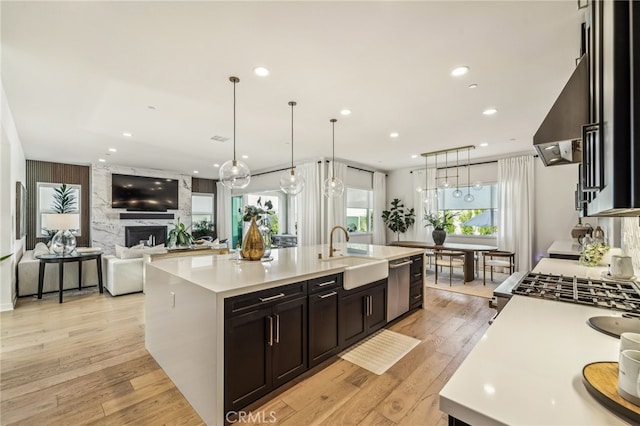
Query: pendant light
[
  {"x": 446, "y": 183},
  {"x": 457, "y": 193},
  {"x": 426, "y": 181},
  {"x": 234, "y": 174},
  {"x": 468, "y": 198},
  {"x": 289, "y": 182},
  {"x": 333, "y": 186}
]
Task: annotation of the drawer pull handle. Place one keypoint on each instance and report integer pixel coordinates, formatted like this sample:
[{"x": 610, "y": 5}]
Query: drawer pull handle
[
  {"x": 417, "y": 296},
  {"x": 277, "y": 328},
  {"x": 268, "y": 299},
  {"x": 327, "y": 283},
  {"x": 270, "y": 330},
  {"x": 399, "y": 265},
  {"x": 324, "y": 296}
]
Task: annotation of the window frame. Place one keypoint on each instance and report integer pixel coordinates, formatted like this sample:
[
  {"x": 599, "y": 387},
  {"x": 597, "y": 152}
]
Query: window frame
[{"x": 40, "y": 186}]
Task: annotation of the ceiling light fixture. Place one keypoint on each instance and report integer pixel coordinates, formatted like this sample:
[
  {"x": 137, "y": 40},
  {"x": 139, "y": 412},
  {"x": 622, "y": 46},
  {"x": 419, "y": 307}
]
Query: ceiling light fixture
[
  {"x": 234, "y": 174},
  {"x": 473, "y": 85},
  {"x": 483, "y": 144},
  {"x": 216, "y": 165},
  {"x": 112, "y": 150},
  {"x": 196, "y": 172},
  {"x": 289, "y": 182},
  {"x": 414, "y": 155},
  {"x": 245, "y": 156},
  {"x": 446, "y": 183},
  {"x": 261, "y": 71},
  {"x": 457, "y": 193},
  {"x": 102, "y": 160},
  {"x": 333, "y": 186},
  {"x": 489, "y": 111},
  {"x": 468, "y": 198},
  {"x": 345, "y": 111},
  {"x": 127, "y": 134},
  {"x": 457, "y": 72},
  {"x": 394, "y": 134}
]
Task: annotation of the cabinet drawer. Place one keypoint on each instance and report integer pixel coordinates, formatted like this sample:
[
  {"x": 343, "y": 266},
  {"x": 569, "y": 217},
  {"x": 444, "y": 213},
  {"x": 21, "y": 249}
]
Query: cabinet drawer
[
  {"x": 324, "y": 283},
  {"x": 415, "y": 295},
  {"x": 239, "y": 304}
]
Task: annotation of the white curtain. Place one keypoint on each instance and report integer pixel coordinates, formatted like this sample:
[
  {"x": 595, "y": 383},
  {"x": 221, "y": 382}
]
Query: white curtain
[
  {"x": 420, "y": 182},
  {"x": 309, "y": 204},
  {"x": 515, "y": 208},
  {"x": 379, "y": 204},
  {"x": 337, "y": 207},
  {"x": 223, "y": 210}
]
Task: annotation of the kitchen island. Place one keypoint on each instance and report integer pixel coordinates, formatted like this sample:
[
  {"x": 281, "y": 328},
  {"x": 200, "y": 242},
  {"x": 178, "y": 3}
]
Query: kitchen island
[
  {"x": 185, "y": 309},
  {"x": 527, "y": 368}
]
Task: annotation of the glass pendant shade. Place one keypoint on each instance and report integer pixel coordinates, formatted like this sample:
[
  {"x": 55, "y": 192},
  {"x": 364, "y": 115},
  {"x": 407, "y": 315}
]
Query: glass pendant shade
[
  {"x": 333, "y": 187},
  {"x": 468, "y": 198},
  {"x": 457, "y": 193},
  {"x": 291, "y": 183},
  {"x": 235, "y": 174},
  {"x": 477, "y": 185}
]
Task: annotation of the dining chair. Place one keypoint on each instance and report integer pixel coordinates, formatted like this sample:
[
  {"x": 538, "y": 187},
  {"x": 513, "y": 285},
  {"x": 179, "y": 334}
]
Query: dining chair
[
  {"x": 451, "y": 259},
  {"x": 497, "y": 259}
]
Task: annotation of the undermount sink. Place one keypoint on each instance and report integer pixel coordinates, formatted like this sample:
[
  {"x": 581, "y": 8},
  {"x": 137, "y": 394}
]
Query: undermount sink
[{"x": 360, "y": 271}]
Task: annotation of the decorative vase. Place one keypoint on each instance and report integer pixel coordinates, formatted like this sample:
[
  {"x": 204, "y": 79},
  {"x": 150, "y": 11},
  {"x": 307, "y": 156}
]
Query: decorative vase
[
  {"x": 439, "y": 235},
  {"x": 253, "y": 244}
]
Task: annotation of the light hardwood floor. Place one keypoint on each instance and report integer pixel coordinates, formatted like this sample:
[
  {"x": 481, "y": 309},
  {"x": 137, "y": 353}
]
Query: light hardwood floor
[{"x": 84, "y": 362}]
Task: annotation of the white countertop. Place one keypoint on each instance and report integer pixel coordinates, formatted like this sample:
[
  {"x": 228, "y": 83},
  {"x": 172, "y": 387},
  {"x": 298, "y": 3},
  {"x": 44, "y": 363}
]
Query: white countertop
[
  {"x": 527, "y": 368},
  {"x": 222, "y": 274},
  {"x": 568, "y": 247}
]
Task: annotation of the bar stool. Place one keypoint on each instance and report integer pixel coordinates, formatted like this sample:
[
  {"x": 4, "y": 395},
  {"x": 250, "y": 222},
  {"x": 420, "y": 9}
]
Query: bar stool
[{"x": 497, "y": 259}]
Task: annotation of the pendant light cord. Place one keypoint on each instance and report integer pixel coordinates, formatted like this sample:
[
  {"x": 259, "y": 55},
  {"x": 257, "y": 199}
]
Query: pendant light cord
[
  {"x": 457, "y": 171},
  {"x": 234, "y": 80},
  {"x": 333, "y": 148},
  {"x": 292, "y": 103},
  {"x": 468, "y": 171}
]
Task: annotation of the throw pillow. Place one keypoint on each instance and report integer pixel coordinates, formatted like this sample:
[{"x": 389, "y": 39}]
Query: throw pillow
[
  {"x": 40, "y": 249},
  {"x": 129, "y": 252}
]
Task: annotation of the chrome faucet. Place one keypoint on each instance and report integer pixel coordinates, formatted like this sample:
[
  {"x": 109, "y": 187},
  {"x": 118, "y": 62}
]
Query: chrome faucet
[{"x": 346, "y": 234}]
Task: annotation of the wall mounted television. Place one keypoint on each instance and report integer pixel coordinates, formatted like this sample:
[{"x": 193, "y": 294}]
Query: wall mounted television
[{"x": 141, "y": 193}]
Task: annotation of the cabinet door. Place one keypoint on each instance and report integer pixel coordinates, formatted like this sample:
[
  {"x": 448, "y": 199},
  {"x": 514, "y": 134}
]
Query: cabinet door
[
  {"x": 290, "y": 340},
  {"x": 415, "y": 295},
  {"x": 247, "y": 358},
  {"x": 377, "y": 317},
  {"x": 352, "y": 318},
  {"x": 323, "y": 326},
  {"x": 417, "y": 268}
]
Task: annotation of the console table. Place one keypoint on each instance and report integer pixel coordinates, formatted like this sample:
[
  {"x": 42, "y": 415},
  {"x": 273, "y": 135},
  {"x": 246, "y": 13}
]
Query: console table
[{"x": 60, "y": 260}]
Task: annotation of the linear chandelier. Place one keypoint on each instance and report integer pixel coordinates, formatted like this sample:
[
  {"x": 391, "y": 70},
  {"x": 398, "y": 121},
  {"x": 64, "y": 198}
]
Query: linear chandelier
[{"x": 446, "y": 184}]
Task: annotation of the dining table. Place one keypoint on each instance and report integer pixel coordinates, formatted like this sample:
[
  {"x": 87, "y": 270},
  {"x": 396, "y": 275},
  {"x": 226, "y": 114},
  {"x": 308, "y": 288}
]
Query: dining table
[{"x": 468, "y": 249}]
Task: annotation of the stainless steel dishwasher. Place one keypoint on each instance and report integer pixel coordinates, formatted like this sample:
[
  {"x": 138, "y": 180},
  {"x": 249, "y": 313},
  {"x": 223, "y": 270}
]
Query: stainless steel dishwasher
[{"x": 398, "y": 288}]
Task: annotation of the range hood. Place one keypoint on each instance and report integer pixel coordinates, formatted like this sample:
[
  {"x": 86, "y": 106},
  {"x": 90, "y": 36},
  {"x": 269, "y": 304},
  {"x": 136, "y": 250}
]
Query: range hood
[{"x": 559, "y": 138}]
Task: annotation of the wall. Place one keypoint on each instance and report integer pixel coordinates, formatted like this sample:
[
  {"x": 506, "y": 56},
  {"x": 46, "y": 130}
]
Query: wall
[
  {"x": 12, "y": 170},
  {"x": 631, "y": 240},
  {"x": 107, "y": 229}
]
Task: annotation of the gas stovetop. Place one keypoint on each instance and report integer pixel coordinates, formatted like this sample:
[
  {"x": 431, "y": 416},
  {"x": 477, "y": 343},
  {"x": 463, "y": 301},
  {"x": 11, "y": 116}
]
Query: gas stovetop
[{"x": 603, "y": 294}]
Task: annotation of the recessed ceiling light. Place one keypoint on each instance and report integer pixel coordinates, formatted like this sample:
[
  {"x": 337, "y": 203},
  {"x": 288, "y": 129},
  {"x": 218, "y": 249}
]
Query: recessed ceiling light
[
  {"x": 457, "y": 72},
  {"x": 196, "y": 172},
  {"x": 127, "y": 134},
  {"x": 483, "y": 144},
  {"x": 216, "y": 165},
  {"x": 394, "y": 134},
  {"x": 473, "y": 86},
  {"x": 414, "y": 155},
  {"x": 261, "y": 71},
  {"x": 489, "y": 111},
  {"x": 245, "y": 156},
  {"x": 218, "y": 138},
  {"x": 112, "y": 150},
  {"x": 102, "y": 160},
  {"x": 345, "y": 111}
]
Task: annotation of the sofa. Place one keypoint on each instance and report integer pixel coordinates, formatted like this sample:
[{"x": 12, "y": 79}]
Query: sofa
[
  {"x": 29, "y": 269},
  {"x": 123, "y": 271}
]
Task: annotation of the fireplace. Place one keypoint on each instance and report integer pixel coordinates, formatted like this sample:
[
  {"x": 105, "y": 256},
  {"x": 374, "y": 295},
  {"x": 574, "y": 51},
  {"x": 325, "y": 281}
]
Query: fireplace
[{"x": 150, "y": 235}]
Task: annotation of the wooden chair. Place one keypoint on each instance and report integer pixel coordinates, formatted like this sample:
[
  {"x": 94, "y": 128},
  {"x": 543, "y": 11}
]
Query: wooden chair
[
  {"x": 450, "y": 259},
  {"x": 429, "y": 256},
  {"x": 497, "y": 259}
]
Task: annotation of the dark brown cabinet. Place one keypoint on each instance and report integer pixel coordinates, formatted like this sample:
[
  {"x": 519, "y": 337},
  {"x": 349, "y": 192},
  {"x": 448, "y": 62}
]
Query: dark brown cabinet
[
  {"x": 265, "y": 342},
  {"x": 416, "y": 287},
  {"x": 323, "y": 318},
  {"x": 362, "y": 311}
]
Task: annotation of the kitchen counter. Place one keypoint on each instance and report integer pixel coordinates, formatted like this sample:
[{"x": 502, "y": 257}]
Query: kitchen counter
[
  {"x": 527, "y": 368},
  {"x": 564, "y": 249},
  {"x": 184, "y": 309}
]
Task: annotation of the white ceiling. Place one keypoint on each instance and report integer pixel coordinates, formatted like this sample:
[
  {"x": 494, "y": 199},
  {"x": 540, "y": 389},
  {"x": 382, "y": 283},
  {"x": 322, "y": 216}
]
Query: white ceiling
[{"x": 79, "y": 74}]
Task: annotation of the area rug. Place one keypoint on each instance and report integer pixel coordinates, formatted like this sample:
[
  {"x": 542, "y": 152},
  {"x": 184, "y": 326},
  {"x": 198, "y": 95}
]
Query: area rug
[
  {"x": 380, "y": 351},
  {"x": 472, "y": 288}
]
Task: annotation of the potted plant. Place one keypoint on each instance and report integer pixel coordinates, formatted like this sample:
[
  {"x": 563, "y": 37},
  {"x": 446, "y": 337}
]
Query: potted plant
[
  {"x": 203, "y": 228},
  {"x": 179, "y": 236},
  {"x": 439, "y": 221},
  {"x": 257, "y": 241},
  {"x": 398, "y": 219}
]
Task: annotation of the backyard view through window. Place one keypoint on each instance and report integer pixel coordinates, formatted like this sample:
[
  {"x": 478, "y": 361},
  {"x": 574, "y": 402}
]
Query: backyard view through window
[
  {"x": 359, "y": 210},
  {"x": 478, "y": 217}
]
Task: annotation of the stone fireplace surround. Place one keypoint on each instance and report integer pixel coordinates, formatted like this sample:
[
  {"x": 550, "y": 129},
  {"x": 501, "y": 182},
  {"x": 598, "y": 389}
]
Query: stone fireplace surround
[{"x": 107, "y": 228}]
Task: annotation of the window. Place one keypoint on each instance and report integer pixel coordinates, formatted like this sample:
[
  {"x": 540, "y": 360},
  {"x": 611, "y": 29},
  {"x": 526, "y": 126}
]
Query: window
[
  {"x": 46, "y": 193},
  {"x": 278, "y": 202},
  {"x": 359, "y": 210},
  {"x": 478, "y": 217},
  {"x": 202, "y": 207}
]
